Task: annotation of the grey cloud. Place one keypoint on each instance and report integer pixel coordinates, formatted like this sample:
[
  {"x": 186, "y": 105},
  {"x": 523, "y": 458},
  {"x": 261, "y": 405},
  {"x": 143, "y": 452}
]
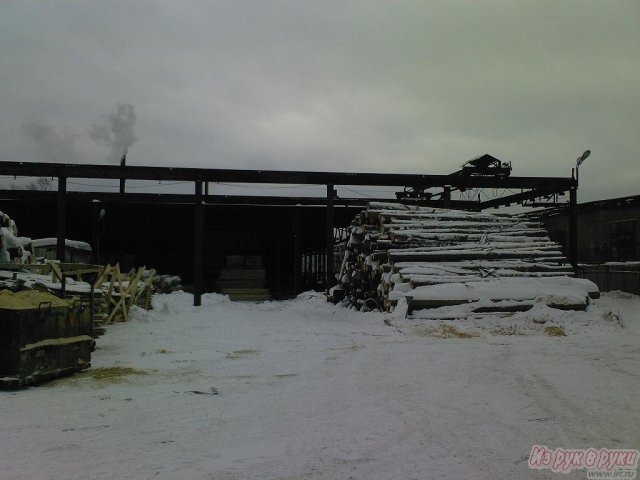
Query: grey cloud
[{"x": 407, "y": 86}]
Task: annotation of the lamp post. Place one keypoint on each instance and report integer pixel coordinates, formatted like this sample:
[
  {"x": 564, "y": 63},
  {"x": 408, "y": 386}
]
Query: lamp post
[
  {"x": 573, "y": 213},
  {"x": 579, "y": 161}
]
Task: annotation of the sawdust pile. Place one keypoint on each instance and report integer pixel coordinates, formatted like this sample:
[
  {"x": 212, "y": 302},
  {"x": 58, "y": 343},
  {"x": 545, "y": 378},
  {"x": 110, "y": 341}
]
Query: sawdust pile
[{"x": 28, "y": 299}]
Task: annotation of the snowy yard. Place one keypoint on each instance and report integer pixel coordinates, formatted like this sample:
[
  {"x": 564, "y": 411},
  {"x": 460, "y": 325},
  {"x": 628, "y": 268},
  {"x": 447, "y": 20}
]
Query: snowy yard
[{"x": 306, "y": 389}]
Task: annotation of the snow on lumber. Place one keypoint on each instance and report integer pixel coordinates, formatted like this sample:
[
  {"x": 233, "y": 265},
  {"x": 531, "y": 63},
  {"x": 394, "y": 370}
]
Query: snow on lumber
[
  {"x": 498, "y": 246},
  {"x": 440, "y": 234},
  {"x": 478, "y": 265},
  {"x": 558, "y": 292},
  {"x": 51, "y": 242},
  {"x": 552, "y": 256},
  {"x": 35, "y": 281},
  {"x": 435, "y": 257}
]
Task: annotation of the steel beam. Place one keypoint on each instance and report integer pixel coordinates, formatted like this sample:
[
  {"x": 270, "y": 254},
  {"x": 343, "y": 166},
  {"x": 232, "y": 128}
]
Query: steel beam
[
  {"x": 517, "y": 198},
  {"x": 271, "y": 176},
  {"x": 212, "y": 200}
]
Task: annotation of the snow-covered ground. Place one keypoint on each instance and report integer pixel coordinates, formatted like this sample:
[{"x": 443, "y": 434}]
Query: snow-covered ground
[{"x": 305, "y": 389}]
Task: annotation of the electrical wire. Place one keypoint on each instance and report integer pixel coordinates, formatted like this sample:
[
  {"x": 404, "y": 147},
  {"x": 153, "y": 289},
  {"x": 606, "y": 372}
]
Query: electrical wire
[
  {"x": 128, "y": 186},
  {"x": 355, "y": 191},
  {"x": 159, "y": 185},
  {"x": 91, "y": 185},
  {"x": 261, "y": 187}
]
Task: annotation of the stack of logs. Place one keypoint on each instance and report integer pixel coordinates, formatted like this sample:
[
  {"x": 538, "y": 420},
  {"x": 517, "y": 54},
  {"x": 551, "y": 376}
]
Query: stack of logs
[
  {"x": 164, "y": 283},
  {"x": 437, "y": 257}
]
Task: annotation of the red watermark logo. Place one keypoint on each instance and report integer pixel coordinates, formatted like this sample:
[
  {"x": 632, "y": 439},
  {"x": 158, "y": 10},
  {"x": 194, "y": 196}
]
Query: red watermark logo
[{"x": 598, "y": 462}]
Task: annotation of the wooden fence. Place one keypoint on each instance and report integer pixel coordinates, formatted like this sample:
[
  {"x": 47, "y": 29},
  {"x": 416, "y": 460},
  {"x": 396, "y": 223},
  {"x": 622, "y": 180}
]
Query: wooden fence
[{"x": 613, "y": 276}]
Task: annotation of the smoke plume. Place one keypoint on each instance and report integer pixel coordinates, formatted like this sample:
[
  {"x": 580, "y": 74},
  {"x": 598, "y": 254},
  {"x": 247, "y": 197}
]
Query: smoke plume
[
  {"x": 52, "y": 145},
  {"x": 116, "y": 131}
]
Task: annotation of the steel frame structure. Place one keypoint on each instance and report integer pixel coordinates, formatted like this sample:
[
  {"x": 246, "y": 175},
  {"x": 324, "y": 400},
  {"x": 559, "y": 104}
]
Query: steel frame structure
[{"x": 531, "y": 187}]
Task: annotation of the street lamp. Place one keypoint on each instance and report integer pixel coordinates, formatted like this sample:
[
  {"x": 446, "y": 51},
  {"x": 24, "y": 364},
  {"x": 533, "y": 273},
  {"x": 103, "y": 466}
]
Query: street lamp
[
  {"x": 573, "y": 213},
  {"x": 579, "y": 161}
]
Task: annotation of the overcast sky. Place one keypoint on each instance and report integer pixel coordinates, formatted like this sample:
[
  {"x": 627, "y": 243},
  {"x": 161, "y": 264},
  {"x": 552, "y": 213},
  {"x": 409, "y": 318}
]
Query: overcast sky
[{"x": 403, "y": 86}]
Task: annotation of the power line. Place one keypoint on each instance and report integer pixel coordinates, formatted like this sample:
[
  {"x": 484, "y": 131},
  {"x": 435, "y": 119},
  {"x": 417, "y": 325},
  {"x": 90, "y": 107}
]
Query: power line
[
  {"x": 259, "y": 187},
  {"x": 159, "y": 185},
  {"x": 128, "y": 186},
  {"x": 92, "y": 185},
  {"x": 355, "y": 191}
]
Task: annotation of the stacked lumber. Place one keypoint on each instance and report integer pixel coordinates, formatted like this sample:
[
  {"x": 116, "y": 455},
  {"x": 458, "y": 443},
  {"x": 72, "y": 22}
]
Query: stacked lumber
[
  {"x": 244, "y": 278},
  {"x": 437, "y": 257},
  {"x": 243, "y": 284}
]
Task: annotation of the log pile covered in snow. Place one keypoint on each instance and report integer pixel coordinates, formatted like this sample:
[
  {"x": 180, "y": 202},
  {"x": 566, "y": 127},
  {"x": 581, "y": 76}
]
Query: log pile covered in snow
[
  {"x": 422, "y": 258},
  {"x": 13, "y": 249}
]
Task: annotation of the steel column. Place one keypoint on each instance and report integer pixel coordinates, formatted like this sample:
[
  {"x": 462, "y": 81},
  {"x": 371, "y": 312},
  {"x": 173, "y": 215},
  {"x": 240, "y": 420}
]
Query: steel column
[
  {"x": 573, "y": 226},
  {"x": 446, "y": 196},
  {"x": 277, "y": 264},
  {"x": 330, "y": 276},
  {"x": 198, "y": 244},
  {"x": 96, "y": 206},
  {"x": 297, "y": 252},
  {"x": 61, "y": 218}
]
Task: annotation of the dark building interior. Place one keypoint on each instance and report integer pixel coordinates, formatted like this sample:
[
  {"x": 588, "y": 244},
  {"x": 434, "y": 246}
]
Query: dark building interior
[{"x": 161, "y": 236}]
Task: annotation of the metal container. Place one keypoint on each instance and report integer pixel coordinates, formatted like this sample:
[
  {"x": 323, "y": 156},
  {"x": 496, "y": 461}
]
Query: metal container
[{"x": 42, "y": 342}]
